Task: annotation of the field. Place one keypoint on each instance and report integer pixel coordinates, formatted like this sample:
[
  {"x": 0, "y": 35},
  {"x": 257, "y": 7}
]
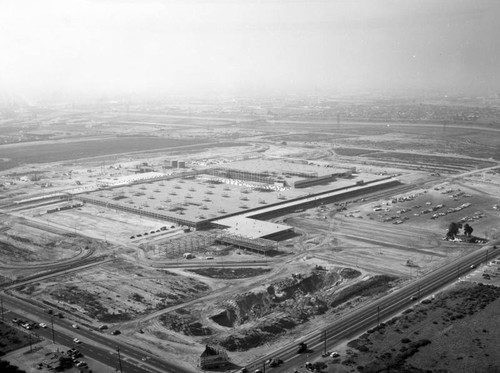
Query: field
[
  {"x": 419, "y": 339},
  {"x": 12, "y": 338},
  {"x": 63, "y": 151}
]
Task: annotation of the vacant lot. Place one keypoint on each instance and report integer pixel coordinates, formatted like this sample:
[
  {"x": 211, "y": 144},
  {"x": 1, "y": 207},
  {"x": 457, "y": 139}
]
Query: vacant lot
[{"x": 63, "y": 151}]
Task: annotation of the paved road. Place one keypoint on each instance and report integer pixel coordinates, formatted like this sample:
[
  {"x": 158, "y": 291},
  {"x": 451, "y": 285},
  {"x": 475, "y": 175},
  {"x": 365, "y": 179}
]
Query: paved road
[
  {"x": 95, "y": 344},
  {"x": 379, "y": 310}
]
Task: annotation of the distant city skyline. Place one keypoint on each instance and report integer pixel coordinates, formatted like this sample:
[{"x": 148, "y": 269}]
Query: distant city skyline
[{"x": 197, "y": 47}]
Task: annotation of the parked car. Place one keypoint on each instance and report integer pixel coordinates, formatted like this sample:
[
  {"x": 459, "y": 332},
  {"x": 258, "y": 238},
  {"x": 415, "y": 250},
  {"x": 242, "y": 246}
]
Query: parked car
[
  {"x": 77, "y": 341},
  {"x": 43, "y": 325}
]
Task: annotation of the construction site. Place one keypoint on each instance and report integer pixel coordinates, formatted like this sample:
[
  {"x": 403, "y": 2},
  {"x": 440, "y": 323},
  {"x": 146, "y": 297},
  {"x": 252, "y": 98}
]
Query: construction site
[{"x": 180, "y": 250}]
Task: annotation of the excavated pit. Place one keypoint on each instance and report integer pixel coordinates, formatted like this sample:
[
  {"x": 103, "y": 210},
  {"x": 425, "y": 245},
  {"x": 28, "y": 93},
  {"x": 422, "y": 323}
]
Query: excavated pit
[{"x": 276, "y": 297}]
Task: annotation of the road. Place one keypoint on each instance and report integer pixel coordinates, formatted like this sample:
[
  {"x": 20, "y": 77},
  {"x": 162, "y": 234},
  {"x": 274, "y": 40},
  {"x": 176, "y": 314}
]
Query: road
[
  {"x": 382, "y": 309},
  {"x": 95, "y": 344}
]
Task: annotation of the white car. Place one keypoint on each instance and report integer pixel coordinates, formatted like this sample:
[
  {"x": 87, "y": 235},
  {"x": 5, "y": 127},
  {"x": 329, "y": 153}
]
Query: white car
[
  {"x": 42, "y": 325},
  {"x": 75, "y": 326},
  {"x": 77, "y": 341},
  {"x": 334, "y": 354}
]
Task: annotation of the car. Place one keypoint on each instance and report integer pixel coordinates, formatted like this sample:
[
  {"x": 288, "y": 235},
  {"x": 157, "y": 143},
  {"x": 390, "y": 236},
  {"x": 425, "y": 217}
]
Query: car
[
  {"x": 412, "y": 298},
  {"x": 76, "y": 354},
  {"x": 81, "y": 364},
  {"x": 77, "y": 341},
  {"x": 60, "y": 315},
  {"x": 116, "y": 332},
  {"x": 244, "y": 370},
  {"x": 472, "y": 266},
  {"x": 74, "y": 326},
  {"x": 334, "y": 354},
  {"x": 258, "y": 371},
  {"x": 43, "y": 325},
  {"x": 102, "y": 327},
  {"x": 275, "y": 362},
  {"x": 132, "y": 237}
]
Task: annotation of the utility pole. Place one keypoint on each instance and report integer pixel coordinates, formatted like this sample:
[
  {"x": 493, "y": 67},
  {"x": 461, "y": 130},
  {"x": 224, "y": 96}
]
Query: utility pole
[
  {"x": 325, "y": 343},
  {"x": 53, "y": 335},
  {"x": 119, "y": 359},
  {"x": 1, "y": 300}
]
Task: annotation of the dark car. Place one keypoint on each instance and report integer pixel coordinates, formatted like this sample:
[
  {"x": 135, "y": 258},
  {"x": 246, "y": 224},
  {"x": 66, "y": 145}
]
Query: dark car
[
  {"x": 275, "y": 363},
  {"x": 116, "y": 332}
]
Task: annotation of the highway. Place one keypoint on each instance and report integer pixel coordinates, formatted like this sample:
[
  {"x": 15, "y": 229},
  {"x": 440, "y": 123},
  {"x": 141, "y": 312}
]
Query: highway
[
  {"x": 369, "y": 316},
  {"x": 95, "y": 344}
]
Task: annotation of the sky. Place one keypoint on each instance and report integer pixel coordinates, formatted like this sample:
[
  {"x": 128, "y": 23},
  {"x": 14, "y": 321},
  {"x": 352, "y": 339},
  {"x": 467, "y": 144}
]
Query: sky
[{"x": 246, "y": 47}]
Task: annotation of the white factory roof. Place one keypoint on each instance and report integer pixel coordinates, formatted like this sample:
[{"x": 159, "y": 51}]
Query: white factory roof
[{"x": 251, "y": 228}]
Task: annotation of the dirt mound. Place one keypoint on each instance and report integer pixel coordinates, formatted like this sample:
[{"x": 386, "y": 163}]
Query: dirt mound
[
  {"x": 184, "y": 323},
  {"x": 284, "y": 295},
  {"x": 258, "y": 335},
  {"x": 372, "y": 286},
  {"x": 280, "y": 307},
  {"x": 230, "y": 273}
]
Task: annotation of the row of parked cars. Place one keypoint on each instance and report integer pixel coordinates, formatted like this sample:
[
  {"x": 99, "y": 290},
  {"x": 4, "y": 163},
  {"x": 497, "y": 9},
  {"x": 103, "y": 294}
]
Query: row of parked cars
[
  {"x": 74, "y": 354},
  {"x": 27, "y": 324}
]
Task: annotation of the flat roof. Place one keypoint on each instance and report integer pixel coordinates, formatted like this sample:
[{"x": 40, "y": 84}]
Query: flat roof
[
  {"x": 278, "y": 166},
  {"x": 251, "y": 228}
]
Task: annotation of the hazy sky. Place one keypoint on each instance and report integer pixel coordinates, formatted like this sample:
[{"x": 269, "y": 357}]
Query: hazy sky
[{"x": 245, "y": 46}]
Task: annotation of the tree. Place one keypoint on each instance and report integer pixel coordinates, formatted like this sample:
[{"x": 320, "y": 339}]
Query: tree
[
  {"x": 6, "y": 367},
  {"x": 453, "y": 229},
  {"x": 468, "y": 230}
]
